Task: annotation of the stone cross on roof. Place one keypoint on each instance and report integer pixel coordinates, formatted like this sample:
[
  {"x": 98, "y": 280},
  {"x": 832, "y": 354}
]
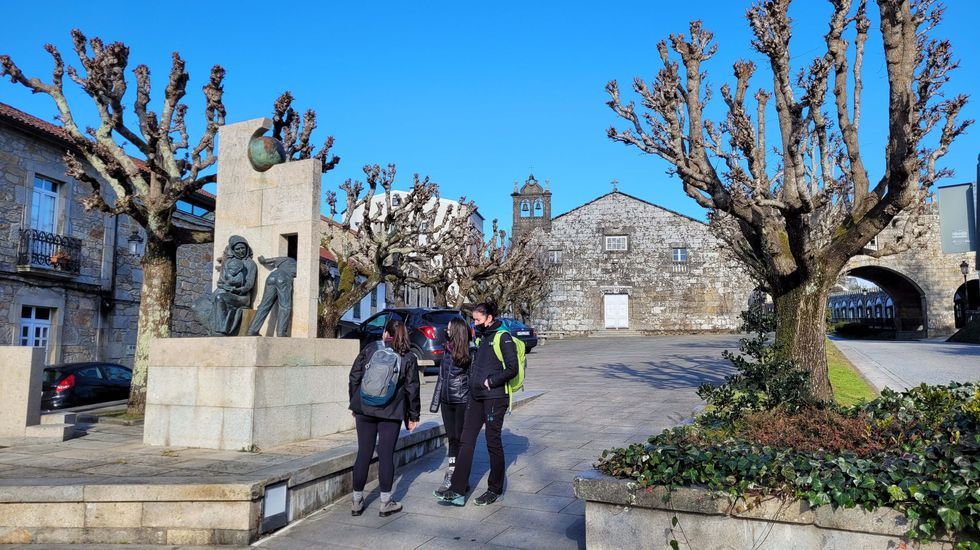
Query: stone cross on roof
[{"x": 615, "y": 182}]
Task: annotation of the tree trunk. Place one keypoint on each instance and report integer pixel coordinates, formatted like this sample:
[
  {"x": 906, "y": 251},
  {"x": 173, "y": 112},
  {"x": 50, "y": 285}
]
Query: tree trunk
[
  {"x": 156, "y": 302},
  {"x": 801, "y": 330},
  {"x": 327, "y": 328}
]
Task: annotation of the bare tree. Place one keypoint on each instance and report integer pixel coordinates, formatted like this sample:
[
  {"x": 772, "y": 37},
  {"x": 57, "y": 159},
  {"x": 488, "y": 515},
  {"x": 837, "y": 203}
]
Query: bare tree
[
  {"x": 805, "y": 208},
  {"x": 374, "y": 233},
  {"x": 166, "y": 169},
  {"x": 516, "y": 277}
]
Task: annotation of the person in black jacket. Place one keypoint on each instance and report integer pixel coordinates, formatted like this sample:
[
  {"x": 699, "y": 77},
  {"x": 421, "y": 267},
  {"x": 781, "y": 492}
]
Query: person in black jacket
[
  {"x": 487, "y": 405},
  {"x": 380, "y": 425},
  {"x": 453, "y": 389}
]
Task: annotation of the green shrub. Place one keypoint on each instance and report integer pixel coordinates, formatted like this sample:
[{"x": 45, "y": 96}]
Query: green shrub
[
  {"x": 919, "y": 457},
  {"x": 763, "y": 380}
]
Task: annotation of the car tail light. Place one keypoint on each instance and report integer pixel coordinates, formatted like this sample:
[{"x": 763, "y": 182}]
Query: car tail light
[
  {"x": 66, "y": 384},
  {"x": 438, "y": 351},
  {"x": 429, "y": 332}
]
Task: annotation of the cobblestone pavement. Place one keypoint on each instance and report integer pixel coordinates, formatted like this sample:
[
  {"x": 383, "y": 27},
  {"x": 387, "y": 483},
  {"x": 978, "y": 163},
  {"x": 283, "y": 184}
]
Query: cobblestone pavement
[
  {"x": 901, "y": 365},
  {"x": 600, "y": 393}
]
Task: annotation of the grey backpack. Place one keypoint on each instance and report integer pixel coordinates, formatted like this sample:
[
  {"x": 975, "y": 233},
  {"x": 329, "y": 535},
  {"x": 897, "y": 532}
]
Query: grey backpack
[{"x": 380, "y": 378}]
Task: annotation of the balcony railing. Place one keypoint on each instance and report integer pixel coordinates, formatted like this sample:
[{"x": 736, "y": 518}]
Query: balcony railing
[{"x": 48, "y": 251}]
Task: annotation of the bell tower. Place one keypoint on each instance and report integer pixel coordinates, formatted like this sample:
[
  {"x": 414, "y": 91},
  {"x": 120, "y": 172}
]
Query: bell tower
[{"x": 532, "y": 207}]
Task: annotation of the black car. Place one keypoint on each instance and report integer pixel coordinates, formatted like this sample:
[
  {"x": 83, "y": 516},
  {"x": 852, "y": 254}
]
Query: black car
[
  {"x": 516, "y": 329},
  {"x": 426, "y": 330},
  {"x": 74, "y": 384}
]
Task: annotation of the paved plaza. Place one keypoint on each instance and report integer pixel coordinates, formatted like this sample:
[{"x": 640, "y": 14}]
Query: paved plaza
[
  {"x": 902, "y": 365},
  {"x": 599, "y": 393}
]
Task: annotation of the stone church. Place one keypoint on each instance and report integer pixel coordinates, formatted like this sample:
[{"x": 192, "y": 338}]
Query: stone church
[{"x": 626, "y": 265}]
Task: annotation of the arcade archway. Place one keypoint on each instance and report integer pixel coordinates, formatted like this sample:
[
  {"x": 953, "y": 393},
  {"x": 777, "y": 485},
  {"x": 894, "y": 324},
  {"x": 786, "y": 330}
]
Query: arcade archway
[{"x": 896, "y": 308}]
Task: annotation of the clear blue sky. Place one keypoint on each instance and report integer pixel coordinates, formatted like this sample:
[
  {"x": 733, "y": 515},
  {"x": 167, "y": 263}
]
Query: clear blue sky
[{"x": 472, "y": 94}]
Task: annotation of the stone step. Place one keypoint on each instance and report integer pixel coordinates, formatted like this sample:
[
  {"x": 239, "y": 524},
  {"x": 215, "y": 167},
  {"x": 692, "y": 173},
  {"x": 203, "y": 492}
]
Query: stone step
[
  {"x": 51, "y": 432},
  {"x": 616, "y": 334},
  {"x": 59, "y": 418}
]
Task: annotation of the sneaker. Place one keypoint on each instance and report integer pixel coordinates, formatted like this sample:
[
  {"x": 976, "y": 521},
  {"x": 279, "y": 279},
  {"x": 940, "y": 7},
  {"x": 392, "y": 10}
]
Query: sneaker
[
  {"x": 447, "y": 480},
  {"x": 451, "y": 497},
  {"x": 486, "y": 498},
  {"x": 390, "y": 507},
  {"x": 356, "y": 507}
]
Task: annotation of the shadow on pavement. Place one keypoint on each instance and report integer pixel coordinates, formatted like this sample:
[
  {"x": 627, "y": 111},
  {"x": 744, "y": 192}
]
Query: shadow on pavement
[{"x": 687, "y": 372}]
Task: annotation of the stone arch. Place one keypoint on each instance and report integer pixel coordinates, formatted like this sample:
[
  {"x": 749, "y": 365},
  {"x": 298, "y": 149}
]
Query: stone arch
[
  {"x": 969, "y": 291},
  {"x": 909, "y": 300}
]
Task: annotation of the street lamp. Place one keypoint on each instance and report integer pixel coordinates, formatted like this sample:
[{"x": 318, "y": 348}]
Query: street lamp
[
  {"x": 135, "y": 243},
  {"x": 864, "y": 309},
  {"x": 965, "y": 270}
]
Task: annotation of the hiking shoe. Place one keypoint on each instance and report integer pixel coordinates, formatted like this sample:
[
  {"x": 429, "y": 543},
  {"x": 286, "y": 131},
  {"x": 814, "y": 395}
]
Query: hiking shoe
[
  {"x": 451, "y": 497},
  {"x": 390, "y": 507},
  {"x": 356, "y": 507},
  {"x": 486, "y": 498},
  {"x": 447, "y": 480}
]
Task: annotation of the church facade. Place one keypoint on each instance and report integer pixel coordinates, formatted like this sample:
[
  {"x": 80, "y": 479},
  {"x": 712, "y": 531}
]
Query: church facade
[{"x": 623, "y": 264}]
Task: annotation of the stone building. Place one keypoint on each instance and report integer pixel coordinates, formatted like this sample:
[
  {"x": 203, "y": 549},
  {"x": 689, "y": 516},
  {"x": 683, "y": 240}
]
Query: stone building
[
  {"x": 70, "y": 278},
  {"x": 924, "y": 284},
  {"x": 625, "y": 264}
]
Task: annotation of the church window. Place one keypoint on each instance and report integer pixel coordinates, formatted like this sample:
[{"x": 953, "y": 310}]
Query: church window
[
  {"x": 678, "y": 256},
  {"x": 555, "y": 256},
  {"x": 617, "y": 243}
]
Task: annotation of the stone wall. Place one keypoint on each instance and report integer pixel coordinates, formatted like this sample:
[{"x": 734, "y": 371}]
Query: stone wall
[
  {"x": 935, "y": 275},
  {"x": 618, "y": 514},
  {"x": 707, "y": 295}
]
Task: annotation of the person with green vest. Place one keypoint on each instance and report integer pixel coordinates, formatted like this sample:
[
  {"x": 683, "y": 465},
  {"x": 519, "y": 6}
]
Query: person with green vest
[{"x": 495, "y": 365}]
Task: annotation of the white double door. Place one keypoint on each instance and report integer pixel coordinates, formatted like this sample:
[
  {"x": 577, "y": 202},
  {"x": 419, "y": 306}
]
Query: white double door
[{"x": 617, "y": 310}]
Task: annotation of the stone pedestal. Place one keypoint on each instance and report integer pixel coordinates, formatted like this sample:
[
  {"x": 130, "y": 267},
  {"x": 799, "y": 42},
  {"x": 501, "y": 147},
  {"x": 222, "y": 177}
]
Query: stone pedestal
[
  {"x": 246, "y": 392},
  {"x": 21, "y": 371}
]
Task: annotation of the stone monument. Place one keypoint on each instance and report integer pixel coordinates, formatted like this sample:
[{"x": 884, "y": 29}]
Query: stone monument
[{"x": 250, "y": 392}]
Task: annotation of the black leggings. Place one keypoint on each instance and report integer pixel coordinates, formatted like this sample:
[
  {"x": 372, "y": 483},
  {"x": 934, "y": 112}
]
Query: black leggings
[
  {"x": 452, "y": 417},
  {"x": 383, "y": 432},
  {"x": 490, "y": 412}
]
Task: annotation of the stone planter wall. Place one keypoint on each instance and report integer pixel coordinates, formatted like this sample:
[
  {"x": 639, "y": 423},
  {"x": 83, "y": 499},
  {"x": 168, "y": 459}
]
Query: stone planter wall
[{"x": 619, "y": 514}]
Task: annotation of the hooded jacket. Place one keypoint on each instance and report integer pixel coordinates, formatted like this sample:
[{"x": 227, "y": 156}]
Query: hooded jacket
[
  {"x": 406, "y": 403},
  {"x": 487, "y": 368}
]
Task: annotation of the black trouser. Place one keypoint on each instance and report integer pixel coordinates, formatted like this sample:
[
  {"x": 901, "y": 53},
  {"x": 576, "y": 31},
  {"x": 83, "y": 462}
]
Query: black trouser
[
  {"x": 383, "y": 432},
  {"x": 490, "y": 412},
  {"x": 453, "y": 416}
]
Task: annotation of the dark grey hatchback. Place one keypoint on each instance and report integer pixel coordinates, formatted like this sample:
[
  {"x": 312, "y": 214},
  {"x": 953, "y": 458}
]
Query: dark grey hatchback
[
  {"x": 426, "y": 330},
  {"x": 74, "y": 384}
]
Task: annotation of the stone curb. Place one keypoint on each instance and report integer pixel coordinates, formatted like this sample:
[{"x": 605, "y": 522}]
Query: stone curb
[{"x": 595, "y": 487}]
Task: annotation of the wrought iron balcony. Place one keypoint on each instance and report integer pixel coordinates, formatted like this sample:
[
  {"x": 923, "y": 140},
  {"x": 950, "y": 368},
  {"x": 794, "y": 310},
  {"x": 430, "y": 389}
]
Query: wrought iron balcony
[{"x": 49, "y": 253}]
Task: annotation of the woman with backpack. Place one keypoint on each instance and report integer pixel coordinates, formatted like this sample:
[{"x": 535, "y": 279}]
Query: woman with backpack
[
  {"x": 488, "y": 404},
  {"x": 453, "y": 389},
  {"x": 384, "y": 392}
]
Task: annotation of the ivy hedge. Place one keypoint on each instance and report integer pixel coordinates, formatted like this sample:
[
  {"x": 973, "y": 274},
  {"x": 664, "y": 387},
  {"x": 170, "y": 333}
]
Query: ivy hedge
[{"x": 913, "y": 451}]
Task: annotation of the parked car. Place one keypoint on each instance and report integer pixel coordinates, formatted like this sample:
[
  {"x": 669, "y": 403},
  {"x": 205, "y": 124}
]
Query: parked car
[
  {"x": 517, "y": 329},
  {"x": 426, "y": 331},
  {"x": 74, "y": 384}
]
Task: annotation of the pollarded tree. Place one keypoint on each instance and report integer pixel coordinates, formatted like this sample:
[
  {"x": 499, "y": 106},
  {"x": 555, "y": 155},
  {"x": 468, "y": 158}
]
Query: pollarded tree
[
  {"x": 164, "y": 169},
  {"x": 374, "y": 227},
  {"x": 801, "y": 211}
]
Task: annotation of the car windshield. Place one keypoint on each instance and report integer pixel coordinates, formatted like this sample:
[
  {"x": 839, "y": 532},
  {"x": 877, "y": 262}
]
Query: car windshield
[{"x": 441, "y": 317}]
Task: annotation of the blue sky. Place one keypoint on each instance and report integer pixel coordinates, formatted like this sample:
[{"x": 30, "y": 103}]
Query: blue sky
[{"x": 475, "y": 95}]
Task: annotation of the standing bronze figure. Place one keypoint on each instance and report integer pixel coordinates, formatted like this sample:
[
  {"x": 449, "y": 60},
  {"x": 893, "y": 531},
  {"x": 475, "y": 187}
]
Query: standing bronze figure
[{"x": 278, "y": 290}]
